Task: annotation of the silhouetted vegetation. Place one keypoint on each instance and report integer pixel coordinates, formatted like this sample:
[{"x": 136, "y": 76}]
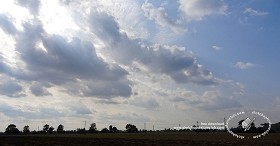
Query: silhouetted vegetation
[
  {"x": 46, "y": 128},
  {"x": 12, "y": 129},
  {"x": 26, "y": 130},
  {"x": 60, "y": 129},
  {"x": 92, "y": 128},
  {"x": 131, "y": 128}
]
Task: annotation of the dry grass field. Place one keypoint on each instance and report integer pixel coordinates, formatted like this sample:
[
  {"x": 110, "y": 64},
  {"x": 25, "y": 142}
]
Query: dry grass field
[{"x": 153, "y": 139}]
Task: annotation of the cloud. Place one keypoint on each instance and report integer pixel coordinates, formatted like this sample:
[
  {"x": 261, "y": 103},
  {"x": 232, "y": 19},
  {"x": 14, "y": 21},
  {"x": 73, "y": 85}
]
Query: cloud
[
  {"x": 176, "y": 62},
  {"x": 32, "y": 5},
  {"x": 217, "y": 48},
  {"x": 39, "y": 89},
  {"x": 221, "y": 104},
  {"x": 199, "y": 9},
  {"x": 42, "y": 112},
  {"x": 208, "y": 101},
  {"x": 6, "y": 24},
  {"x": 253, "y": 12},
  {"x": 76, "y": 108},
  {"x": 125, "y": 117},
  {"x": 160, "y": 17},
  {"x": 10, "y": 87},
  {"x": 55, "y": 60},
  {"x": 244, "y": 65},
  {"x": 99, "y": 88},
  {"x": 147, "y": 103}
]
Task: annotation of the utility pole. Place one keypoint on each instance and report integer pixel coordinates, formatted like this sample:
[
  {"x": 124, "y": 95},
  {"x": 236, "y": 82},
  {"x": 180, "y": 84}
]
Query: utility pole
[{"x": 153, "y": 127}]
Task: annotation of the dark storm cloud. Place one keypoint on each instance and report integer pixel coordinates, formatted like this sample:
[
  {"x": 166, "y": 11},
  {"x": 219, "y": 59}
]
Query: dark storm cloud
[
  {"x": 6, "y": 24},
  {"x": 32, "y": 5},
  {"x": 176, "y": 62}
]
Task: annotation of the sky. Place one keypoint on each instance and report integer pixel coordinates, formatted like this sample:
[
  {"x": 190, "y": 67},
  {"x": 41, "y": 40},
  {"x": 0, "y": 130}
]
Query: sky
[{"x": 114, "y": 62}]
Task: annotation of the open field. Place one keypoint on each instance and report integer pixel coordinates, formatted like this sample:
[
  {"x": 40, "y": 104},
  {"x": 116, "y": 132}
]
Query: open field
[{"x": 163, "y": 138}]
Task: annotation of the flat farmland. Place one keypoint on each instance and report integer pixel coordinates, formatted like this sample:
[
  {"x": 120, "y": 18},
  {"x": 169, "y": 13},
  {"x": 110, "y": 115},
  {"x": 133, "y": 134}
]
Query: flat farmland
[{"x": 154, "y": 139}]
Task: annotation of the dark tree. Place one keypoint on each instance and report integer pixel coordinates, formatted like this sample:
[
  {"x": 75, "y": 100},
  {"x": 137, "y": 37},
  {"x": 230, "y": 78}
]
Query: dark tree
[
  {"x": 60, "y": 129},
  {"x": 26, "y": 130},
  {"x": 51, "y": 130},
  {"x": 46, "y": 128},
  {"x": 115, "y": 130},
  {"x": 12, "y": 129},
  {"x": 131, "y": 128},
  {"x": 111, "y": 128},
  {"x": 105, "y": 130},
  {"x": 92, "y": 128}
]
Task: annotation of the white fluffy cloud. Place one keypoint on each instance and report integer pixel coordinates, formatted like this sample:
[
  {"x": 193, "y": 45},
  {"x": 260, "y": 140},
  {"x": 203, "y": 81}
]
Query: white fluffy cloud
[
  {"x": 198, "y": 9},
  {"x": 244, "y": 65}
]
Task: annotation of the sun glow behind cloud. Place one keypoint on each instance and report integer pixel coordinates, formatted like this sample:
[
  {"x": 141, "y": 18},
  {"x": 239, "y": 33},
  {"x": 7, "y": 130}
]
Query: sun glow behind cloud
[{"x": 56, "y": 19}]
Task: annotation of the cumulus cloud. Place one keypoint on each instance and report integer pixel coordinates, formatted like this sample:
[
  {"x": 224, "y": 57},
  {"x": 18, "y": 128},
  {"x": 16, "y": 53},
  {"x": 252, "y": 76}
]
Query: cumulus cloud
[
  {"x": 160, "y": 17},
  {"x": 198, "y": 9},
  {"x": 244, "y": 65},
  {"x": 176, "y": 62},
  {"x": 55, "y": 60},
  {"x": 179, "y": 64},
  {"x": 252, "y": 12}
]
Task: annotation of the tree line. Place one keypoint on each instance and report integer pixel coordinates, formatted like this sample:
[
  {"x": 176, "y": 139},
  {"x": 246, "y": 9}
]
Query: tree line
[{"x": 47, "y": 129}]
